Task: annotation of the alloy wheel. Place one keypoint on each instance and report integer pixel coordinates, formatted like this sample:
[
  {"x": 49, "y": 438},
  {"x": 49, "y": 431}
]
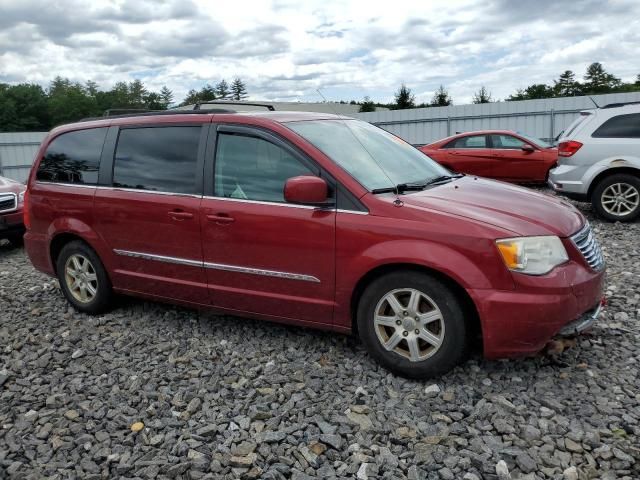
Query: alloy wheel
[
  {"x": 80, "y": 277},
  {"x": 409, "y": 323},
  {"x": 620, "y": 199}
]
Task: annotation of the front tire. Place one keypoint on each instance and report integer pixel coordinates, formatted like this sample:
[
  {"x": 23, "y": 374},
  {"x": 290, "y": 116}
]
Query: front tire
[
  {"x": 412, "y": 324},
  {"x": 617, "y": 198},
  {"x": 83, "y": 278}
]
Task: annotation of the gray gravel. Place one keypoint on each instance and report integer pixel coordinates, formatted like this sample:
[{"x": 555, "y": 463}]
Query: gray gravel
[{"x": 223, "y": 397}]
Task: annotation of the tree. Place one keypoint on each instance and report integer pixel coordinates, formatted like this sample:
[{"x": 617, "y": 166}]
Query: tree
[
  {"x": 137, "y": 94},
  {"x": 91, "y": 88},
  {"x": 367, "y": 105},
  {"x": 404, "y": 98},
  {"x": 441, "y": 98},
  {"x": 638, "y": 80},
  {"x": 566, "y": 85},
  {"x": 69, "y": 102},
  {"x": 222, "y": 89},
  {"x": 597, "y": 80},
  {"x": 238, "y": 90},
  {"x": 167, "y": 96},
  {"x": 482, "y": 96},
  {"x": 23, "y": 107},
  {"x": 537, "y": 90}
]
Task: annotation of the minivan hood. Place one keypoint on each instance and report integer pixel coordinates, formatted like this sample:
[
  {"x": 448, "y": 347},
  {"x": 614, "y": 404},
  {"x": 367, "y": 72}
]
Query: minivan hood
[{"x": 517, "y": 209}]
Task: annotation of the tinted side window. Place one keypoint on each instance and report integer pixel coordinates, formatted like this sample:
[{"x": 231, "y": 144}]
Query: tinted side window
[
  {"x": 254, "y": 169},
  {"x": 73, "y": 157},
  {"x": 506, "y": 142},
  {"x": 622, "y": 126},
  {"x": 474, "y": 141},
  {"x": 159, "y": 158}
]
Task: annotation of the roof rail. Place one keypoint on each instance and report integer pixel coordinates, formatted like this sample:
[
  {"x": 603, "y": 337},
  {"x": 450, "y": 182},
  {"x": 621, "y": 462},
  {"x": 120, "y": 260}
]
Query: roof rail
[
  {"x": 149, "y": 113},
  {"x": 125, "y": 111},
  {"x": 621, "y": 104},
  {"x": 268, "y": 106}
]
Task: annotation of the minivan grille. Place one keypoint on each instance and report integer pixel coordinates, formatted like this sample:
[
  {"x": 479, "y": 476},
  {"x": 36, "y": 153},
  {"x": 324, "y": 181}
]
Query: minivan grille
[
  {"x": 8, "y": 202},
  {"x": 589, "y": 247}
]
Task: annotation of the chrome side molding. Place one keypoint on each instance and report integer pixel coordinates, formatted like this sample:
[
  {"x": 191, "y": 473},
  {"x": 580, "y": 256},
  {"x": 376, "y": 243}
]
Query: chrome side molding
[{"x": 218, "y": 266}]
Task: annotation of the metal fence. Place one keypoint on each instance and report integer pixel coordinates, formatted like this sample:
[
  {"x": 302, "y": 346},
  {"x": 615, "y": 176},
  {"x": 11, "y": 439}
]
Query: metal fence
[
  {"x": 17, "y": 151},
  {"x": 544, "y": 118}
]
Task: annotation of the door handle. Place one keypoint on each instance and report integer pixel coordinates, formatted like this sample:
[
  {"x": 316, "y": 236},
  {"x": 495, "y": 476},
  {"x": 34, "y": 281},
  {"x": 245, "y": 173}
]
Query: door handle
[
  {"x": 220, "y": 218},
  {"x": 180, "y": 215}
]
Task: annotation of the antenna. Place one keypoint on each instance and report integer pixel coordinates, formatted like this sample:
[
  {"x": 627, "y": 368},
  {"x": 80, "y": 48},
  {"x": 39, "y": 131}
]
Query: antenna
[
  {"x": 594, "y": 102},
  {"x": 397, "y": 201}
]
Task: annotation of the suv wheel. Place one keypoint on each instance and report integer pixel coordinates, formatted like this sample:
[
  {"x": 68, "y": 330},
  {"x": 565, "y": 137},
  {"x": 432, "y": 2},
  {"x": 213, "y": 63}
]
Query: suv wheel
[
  {"x": 617, "y": 198},
  {"x": 83, "y": 279},
  {"x": 412, "y": 324}
]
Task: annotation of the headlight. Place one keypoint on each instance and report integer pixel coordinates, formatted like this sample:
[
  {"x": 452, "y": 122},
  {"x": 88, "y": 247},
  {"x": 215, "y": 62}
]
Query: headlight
[
  {"x": 532, "y": 255},
  {"x": 21, "y": 196}
]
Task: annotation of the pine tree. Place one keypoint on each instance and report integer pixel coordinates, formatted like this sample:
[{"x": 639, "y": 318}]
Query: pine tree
[
  {"x": 91, "y": 88},
  {"x": 167, "y": 96},
  {"x": 482, "y": 96},
  {"x": 404, "y": 98},
  {"x": 441, "y": 98},
  {"x": 566, "y": 85},
  {"x": 597, "y": 80},
  {"x": 367, "y": 105},
  {"x": 222, "y": 89},
  {"x": 137, "y": 93},
  {"x": 238, "y": 90}
]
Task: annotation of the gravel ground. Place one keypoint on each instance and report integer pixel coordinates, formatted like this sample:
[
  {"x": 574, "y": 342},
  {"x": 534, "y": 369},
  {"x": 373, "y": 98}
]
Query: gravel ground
[{"x": 156, "y": 391}]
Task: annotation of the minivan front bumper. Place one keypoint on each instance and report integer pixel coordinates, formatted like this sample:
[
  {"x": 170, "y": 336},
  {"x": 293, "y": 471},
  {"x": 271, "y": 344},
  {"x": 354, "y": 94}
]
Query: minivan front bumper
[{"x": 521, "y": 322}]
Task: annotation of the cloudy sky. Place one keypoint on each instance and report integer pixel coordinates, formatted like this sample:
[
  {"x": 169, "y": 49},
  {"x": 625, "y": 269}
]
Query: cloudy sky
[{"x": 286, "y": 49}]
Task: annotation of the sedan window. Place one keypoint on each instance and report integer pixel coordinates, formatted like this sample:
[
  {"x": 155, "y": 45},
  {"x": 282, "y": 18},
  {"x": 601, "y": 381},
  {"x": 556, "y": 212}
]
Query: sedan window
[
  {"x": 507, "y": 142},
  {"x": 472, "y": 141}
]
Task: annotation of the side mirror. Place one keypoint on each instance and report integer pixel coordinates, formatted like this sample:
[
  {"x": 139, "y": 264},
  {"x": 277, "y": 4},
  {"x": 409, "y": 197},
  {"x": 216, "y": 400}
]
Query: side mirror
[
  {"x": 528, "y": 148},
  {"x": 307, "y": 190}
]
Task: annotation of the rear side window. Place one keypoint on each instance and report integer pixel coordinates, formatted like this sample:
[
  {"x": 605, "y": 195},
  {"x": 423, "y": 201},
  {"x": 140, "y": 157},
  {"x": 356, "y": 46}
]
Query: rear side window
[
  {"x": 621, "y": 126},
  {"x": 159, "y": 159},
  {"x": 473, "y": 141},
  {"x": 73, "y": 157}
]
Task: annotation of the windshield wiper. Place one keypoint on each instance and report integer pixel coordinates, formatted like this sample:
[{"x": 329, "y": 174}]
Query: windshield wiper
[
  {"x": 417, "y": 186},
  {"x": 442, "y": 178},
  {"x": 401, "y": 187}
]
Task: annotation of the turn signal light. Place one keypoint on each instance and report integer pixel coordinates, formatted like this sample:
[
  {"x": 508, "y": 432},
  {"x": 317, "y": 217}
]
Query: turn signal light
[{"x": 566, "y": 149}]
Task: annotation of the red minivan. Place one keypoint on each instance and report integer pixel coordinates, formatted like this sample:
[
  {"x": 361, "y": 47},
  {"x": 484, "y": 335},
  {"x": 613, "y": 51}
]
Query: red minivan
[{"x": 310, "y": 219}]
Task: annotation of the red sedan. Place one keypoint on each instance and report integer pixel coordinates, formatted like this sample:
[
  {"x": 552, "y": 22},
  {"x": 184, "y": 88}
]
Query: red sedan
[{"x": 500, "y": 154}]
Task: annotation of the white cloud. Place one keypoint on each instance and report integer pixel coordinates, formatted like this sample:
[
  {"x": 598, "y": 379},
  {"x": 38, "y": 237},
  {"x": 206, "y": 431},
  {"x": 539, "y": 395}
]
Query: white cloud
[{"x": 288, "y": 49}]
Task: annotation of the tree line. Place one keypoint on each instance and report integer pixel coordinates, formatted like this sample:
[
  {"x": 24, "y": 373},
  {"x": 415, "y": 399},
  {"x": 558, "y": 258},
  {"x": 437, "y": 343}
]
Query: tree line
[
  {"x": 596, "y": 81},
  {"x": 29, "y": 107}
]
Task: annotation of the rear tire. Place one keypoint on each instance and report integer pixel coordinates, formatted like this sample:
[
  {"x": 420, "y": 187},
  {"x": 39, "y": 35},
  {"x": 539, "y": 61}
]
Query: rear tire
[
  {"x": 617, "y": 198},
  {"x": 420, "y": 334},
  {"x": 83, "y": 278}
]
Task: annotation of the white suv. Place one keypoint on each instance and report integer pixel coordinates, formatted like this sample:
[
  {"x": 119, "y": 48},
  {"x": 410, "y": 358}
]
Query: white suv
[{"x": 599, "y": 161}]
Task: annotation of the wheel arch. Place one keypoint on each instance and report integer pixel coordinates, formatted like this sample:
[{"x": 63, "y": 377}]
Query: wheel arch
[{"x": 472, "y": 317}]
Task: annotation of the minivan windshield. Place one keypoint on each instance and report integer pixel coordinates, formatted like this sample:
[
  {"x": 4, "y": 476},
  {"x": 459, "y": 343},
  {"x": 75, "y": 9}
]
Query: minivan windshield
[{"x": 374, "y": 157}]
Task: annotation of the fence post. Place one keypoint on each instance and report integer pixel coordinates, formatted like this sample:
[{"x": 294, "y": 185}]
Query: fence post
[
  {"x": 448, "y": 126},
  {"x": 553, "y": 127}
]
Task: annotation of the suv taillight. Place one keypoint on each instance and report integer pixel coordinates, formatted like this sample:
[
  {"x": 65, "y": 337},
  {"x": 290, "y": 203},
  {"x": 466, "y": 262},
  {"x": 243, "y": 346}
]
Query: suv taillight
[
  {"x": 26, "y": 217},
  {"x": 566, "y": 149}
]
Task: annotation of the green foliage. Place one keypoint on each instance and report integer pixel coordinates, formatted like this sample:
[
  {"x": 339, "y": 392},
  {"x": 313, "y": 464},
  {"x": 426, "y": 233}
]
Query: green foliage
[
  {"x": 596, "y": 81},
  {"x": 28, "y": 107},
  {"x": 367, "y": 105},
  {"x": 441, "y": 98},
  {"x": 404, "y": 98},
  {"x": 482, "y": 96},
  {"x": 222, "y": 90},
  {"x": 238, "y": 90}
]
